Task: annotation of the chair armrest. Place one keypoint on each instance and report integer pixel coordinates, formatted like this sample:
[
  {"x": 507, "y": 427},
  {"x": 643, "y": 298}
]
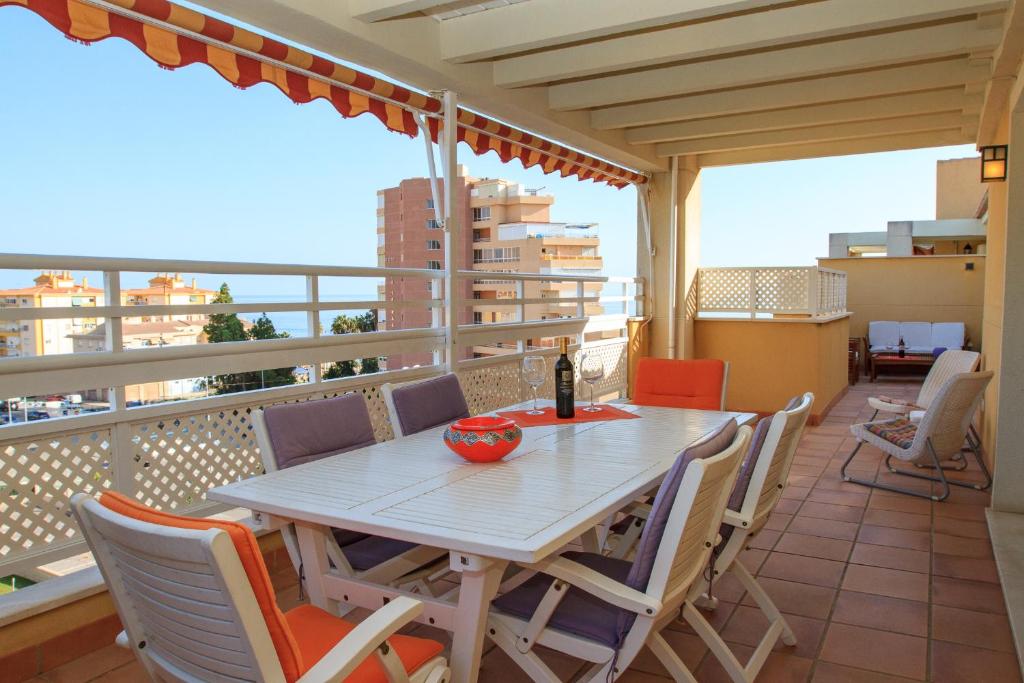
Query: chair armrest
[
  {"x": 597, "y": 584},
  {"x": 342, "y": 659},
  {"x": 733, "y": 518}
]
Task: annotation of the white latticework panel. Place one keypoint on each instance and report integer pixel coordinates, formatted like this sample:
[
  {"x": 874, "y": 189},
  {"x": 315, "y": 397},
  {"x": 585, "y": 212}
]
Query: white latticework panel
[
  {"x": 614, "y": 359},
  {"x": 781, "y": 290},
  {"x": 38, "y": 478},
  {"x": 491, "y": 387},
  {"x": 831, "y": 292},
  {"x": 724, "y": 289},
  {"x": 177, "y": 459},
  {"x": 377, "y": 407}
]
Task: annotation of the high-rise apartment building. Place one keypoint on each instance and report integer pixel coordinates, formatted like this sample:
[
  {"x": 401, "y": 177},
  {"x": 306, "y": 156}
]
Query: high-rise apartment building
[{"x": 505, "y": 228}]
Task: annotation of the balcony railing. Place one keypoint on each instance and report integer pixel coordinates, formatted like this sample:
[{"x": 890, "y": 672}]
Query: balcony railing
[
  {"x": 809, "y": 291},
  {"x": 169, "y": 454}
]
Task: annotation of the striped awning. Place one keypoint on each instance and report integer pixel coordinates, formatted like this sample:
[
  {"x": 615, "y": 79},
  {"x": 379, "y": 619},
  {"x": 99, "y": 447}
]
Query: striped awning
[{"x": 175, "y": 36}]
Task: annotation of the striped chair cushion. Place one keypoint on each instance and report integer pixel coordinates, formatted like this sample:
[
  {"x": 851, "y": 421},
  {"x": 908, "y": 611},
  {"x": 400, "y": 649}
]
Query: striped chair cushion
[
  {"x": 900, "y": 431},
  {"x": 895, "y": 401}
]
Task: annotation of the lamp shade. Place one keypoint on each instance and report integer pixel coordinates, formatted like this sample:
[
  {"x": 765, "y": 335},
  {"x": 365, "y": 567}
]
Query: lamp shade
[{"x": 993, "y": 163}]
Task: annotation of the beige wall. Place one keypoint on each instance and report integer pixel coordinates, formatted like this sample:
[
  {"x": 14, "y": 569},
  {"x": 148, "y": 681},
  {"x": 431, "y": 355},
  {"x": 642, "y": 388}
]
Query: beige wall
[
  {"x": 770, "y": 362},
  {"x": 914, "y": 288},
  {"x": 958, "y": 188}
]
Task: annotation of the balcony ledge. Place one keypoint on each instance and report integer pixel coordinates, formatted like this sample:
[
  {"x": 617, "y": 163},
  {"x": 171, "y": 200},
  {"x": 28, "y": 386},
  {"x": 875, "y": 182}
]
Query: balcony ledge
[{"x": 795, "y": 319}]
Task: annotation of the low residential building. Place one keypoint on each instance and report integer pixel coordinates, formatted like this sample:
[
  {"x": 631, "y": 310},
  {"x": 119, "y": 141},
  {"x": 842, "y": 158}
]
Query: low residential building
[{"x": 46, "y": 337}]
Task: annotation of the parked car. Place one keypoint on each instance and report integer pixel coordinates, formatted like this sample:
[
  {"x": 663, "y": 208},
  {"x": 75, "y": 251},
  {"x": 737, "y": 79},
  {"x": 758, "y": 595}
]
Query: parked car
[{"x": 38, "y": 415}]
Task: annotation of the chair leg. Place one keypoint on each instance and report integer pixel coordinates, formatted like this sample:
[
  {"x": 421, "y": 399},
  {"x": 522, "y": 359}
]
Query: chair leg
[
  {"x": 669, "y": 659},
  {"x": 764, "y": 601},
  {"x": 897, "y": 489},
  {"x": 532, "y": 665},
  {"x": 941, "y": 479},
  {"x": 736, "y": 671}
]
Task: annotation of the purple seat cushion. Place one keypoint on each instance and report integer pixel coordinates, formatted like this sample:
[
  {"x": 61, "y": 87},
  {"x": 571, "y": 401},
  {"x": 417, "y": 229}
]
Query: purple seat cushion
[
  {"x": 373, "y": 550},
  {"x": 579, "y": 613},
  {"x": 311, "y": 430},
  {"x": 428, "y": 404},
  {"x": 650, "y": 539},
  {"x": 345, "y": 537}
]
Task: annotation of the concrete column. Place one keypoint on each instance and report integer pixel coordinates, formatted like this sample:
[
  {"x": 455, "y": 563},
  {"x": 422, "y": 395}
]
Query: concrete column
[
  {"x": 687, "y": 253},
  {"x": 1009, "y": 461},
  {"x": 899, "y": 240}
]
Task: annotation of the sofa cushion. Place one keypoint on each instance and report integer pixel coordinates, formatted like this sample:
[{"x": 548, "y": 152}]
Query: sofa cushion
[
  {"x": 917, "y": 337},
  {"x": 883, "y": 335},
  {"x": 948, "y": 335}
]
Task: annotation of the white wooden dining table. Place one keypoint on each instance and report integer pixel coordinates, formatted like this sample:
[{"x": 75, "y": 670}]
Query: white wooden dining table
[{"x": 556, "y": 487}]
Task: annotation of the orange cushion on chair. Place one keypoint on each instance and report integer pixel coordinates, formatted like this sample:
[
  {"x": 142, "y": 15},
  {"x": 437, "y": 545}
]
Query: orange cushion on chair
[
  {"x": 317, "y": 632},
  {"x": 679, "y": 383},
  {"x": 288, "y": 650}
]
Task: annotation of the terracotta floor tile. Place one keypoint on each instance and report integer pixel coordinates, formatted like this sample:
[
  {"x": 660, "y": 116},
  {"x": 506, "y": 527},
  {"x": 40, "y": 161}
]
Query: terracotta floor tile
[
  {"x": 899, "y": 504},
  {"x": 827, "y": 528},
  {"x": 955, "y": 663},
  {"x": 882, "y": 613},
  {"x": 778, "y": 668},
  {"x": 129, "y": 673},
  {"x": 962, "y": 547},
  {"x": 634, "y": 676},
  {"x": 980, "y": 629},
  {"x": 890, "y": 653},
  {"x": 795, "y": 492},
  {"x": 803, "y": 569},
  {"x": 961, "y": 495},
  {"x": 728, "y": 588},
  {"x": 897, "y": 520},
  {"x": 842, "y": 513},
  {"x": 853, "y": 499},
  {"x": 778, "y": 521},
  {"x": 965, "y": 568},
  {"x": 961, "y": 511},
  {"x": 787, "y": 506},
  {"x": 892, "y": 558},
  {"x": 765, "y": 539},
  {"x": 753, "y": 558},
  {"x": 897, "y": 538},
  {"x": 688, "y": 646},
  {"x": 890, "y": 582},
  {"x": 959, "y": 527},
  {"x": 717, "y": 617},
  {"x": 797, "y": 598},
  {"x": 814, "y": 546},
  {"x": 497, "y": 667},
  {"x": 748, "y": 626},
  {"x": 826, "y": 672},
  {"x": 975, "y": 595}
]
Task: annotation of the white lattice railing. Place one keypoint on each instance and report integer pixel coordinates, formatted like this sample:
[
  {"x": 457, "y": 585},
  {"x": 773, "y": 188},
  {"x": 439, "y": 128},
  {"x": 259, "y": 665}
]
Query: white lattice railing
[
  {"x": 170, "y": 454},
  {"x": 810, "y": 291}
]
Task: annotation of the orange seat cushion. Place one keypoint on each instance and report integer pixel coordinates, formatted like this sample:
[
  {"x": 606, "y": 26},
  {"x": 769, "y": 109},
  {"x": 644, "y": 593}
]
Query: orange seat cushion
[
  {"x": 288, "y": 651},
  {"x": 317, "y": 632},
  {"x": 679, "y": 383}
]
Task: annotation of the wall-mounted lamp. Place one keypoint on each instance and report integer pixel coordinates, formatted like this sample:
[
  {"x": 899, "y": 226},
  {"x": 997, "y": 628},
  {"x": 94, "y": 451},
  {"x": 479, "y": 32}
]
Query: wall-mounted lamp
[
  {"x": 968, "y": 249},
  {"x": 993, "y": 163}
]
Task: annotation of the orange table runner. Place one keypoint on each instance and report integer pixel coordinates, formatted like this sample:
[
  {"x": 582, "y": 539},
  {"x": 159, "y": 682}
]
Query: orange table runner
[{"x": 607, "y": 412}]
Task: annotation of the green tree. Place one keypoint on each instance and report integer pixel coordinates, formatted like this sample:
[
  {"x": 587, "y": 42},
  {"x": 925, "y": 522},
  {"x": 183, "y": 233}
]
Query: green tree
[
  {"x": 353, "y": 324},
  {"x": 228, "y": 327}
]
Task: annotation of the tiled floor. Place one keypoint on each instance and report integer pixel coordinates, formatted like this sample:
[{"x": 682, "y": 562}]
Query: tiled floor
[{"x": 879, "y": 587}]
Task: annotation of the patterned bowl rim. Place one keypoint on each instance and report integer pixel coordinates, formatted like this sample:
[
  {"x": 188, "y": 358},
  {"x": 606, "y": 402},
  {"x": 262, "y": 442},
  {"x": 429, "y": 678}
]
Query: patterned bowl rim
[{"x": 483, "y": 423}]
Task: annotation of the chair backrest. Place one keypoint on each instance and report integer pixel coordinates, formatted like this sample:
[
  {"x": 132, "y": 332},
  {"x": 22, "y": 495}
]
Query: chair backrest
[
  {"x": 883, "y": 334},
  {"x": 671, "y": 383},
  {"x": 193, "y": 594},
  {"x": 290, "y": 434},
  {"x": 917, "y": 337},
  {"x": 949, "y": 416},
  {"x": 763, "y": 474},
  {"x": 419, "y": 406},
  {"x": 948, "y": 363},
  {"x": 948, "y": 335},
  {"x": 687, "y": 511}
]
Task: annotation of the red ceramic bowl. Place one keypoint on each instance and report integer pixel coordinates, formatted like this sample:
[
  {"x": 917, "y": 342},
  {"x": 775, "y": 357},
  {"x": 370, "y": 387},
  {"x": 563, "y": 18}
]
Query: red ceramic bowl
[{"x": 483, "y": 439}]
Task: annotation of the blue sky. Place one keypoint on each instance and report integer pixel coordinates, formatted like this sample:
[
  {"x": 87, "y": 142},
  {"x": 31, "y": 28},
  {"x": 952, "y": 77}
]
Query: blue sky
[{"x": 106, "y": 154}]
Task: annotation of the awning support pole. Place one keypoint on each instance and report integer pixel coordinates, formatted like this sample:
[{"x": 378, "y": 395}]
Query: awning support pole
[
  {"x": 673, "y": 246},
  {"x": 450, "y": 167},
  {"x": 435, "y": 193},
  {"x": 643, "y": 193}
]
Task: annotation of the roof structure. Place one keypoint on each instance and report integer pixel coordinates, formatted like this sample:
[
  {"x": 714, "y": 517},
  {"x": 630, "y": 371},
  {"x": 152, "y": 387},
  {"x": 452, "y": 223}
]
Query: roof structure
[{"x": 725, "y": 81}]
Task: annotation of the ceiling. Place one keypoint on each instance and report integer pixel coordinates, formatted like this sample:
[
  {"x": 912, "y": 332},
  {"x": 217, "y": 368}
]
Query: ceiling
[{"x": 727, "y": 81}]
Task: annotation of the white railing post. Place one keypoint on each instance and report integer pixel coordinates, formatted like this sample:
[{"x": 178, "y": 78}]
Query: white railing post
[
  {"x": 313, "y": 318},
  {"x": 581, "y": 291},
  {"x": 521, "y": 313},
  {"x": 450, "y": 155},
  {"x": 436, "y": 320},
  {"x": 120, "y": 432}
]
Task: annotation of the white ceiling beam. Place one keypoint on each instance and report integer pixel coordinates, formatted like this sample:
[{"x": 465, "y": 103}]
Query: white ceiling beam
[
  {"x": 948, "y": 100},
  {"x": 382, "y": 10},
  {"x": 762, "y": 30},
  {"x": 545, "y": 23},
  {"x": 1005, "y": 63},
  {"x": 839, "y": 131},
  {"x": 799, "y": 62},
  {"x": 885, "y": 143},
  {"x": 903, "y": 79}
]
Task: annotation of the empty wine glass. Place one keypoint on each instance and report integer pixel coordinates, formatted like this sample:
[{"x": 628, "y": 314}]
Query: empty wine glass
[
  {"x": 591, "y": 371},
  {"x": 534, "y": 372}
]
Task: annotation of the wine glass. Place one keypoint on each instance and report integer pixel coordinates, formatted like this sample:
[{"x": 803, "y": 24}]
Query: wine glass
[
  {"x": 591, "y": 370},
  {"x": 534, "y": 372}
]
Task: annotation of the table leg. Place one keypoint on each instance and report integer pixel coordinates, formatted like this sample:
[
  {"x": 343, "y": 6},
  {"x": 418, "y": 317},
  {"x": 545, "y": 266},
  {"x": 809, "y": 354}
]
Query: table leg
[
  {"x": 313, "y": 552},
  {"x": 480, "y": 580}
]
